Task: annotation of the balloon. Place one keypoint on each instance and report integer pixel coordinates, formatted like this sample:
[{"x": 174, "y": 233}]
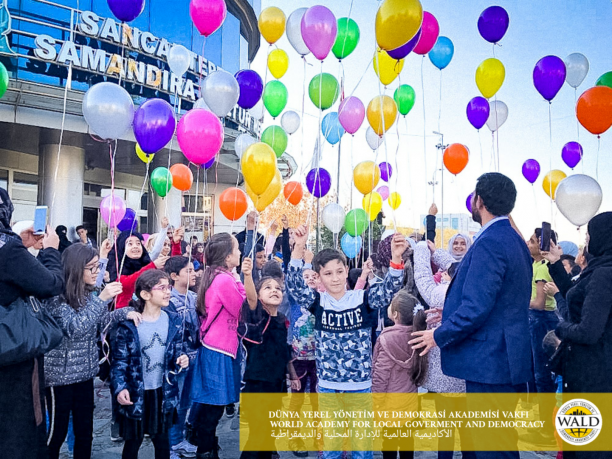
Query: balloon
[
  {"x": 490, "y": 76},
  {"x": 233, "y": 203},
  {"x": 4, "y": 79},
  {"x": 387, "y": 68},
  {"x": 429, "y": 34},
  {"x": 571, "y": 154},
  {"x": 404, "y": 97},
  {"x": 406, "y": 49},
  {"x": 209, "y": 164},
  {"x": 161, "y": 181},
  {"x": 351, "y": 114},
  {"x": 382, "y": 112},
  {"x": 276, "y": 137},
  {"x": 395, "y": 200},
  {"x": 605, "y": 80},
  {"x": 578, "y": 197},
  {"x": 386, "y": 171},
  {"x": 258, "y": 167},
  {"x": 278, "y": 63},
  {"x": 318, "y": 182},
  {"x": 356, "y": 222},
  {"x": 331, "y": 128},
  {"x": 182, "y": 177},
  {"x": 551, "y": 182},
  {"x": 468, "y": 202},
  {"x": 179, "y": 59},
  {"x": 383, "y": 191},
  {"x": 333, "y": 216},
  {"x": 319, "y": 30},
  {"x": 456, "y": 157},
  {"x": 347, "y": 39},
  {"x": 243, "y": 141},
  {"x": 290, "y": 121},
  {"x": 577, "y": 67},
  {"x": 372, "y": 204},
  {"x": 257, "y": 111},
  {"x": 478, "y": 111},
  {"x": 154, "y": 125},
  {"x": 351, "y": 246},
  {"x": 264, "y": 200},
  {"x": 531, "y": 170},
  {"x": 126, "y": 10},
  {"x": 207, "y": 15},
  {"x": 294, "y": 32},
  {"x": 397, "y": 22},
  {"x": 200, "y": 135},
  {"x": 129, "y": 222},
  {"x": 442, "y": 52},
  {"x": 272, "y": 24},
  {"x": 325, "y": 87},
  {"x": 201, "y": 103},
  {"x": 275, "y": 97},
  {"x": 221, "y": 92},
  {"x": 549, "y": 76},
  {"x": 374, "y": 140},
  {"x": 112, "y": 210},
  {"x": 594, "y": 109},
  {"x": 251, "y": 88},
  {"x": 108, "y": 110},
  {"x": 498, "y": 114},
  {"x": 144, "y": 157},
  {"x": 493, "y": 23},
  {"x": 293, "y": 192},
  {"x": 366, "y": 176}
]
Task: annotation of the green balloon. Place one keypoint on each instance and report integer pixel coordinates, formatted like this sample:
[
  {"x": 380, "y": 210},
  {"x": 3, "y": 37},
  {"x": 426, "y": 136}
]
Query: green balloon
[
  {"x": 404, "y": 98},
  {"x": 605, "y": 80},
  {"x": 275, "y": 97},
  {"x": 356, "y": 222},
  {"x": 276, "y": 137},
  {"x": 4, "y": 79},
  {"x": 326, "y": 86},
  {"x": 347, "y": 38},
  {"x": 161, "y": 181}
]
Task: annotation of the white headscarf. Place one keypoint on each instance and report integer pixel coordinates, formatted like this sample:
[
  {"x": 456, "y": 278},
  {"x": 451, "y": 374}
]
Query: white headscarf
[{"x": 468, "y": 243}]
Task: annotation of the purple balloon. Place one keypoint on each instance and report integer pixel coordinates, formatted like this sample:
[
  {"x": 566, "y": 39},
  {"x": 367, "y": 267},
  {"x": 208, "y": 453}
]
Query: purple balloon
[
  {"x": 154, "y": 125},
  {"x": 209, "y": 164},
  {"x": 318, "y": 182},
  {"x": 404, "y": 50},
  {"x": 126, "y": 10},
  {"x": 493, "y": 23},
  {"x": 386, "y": 171},
  {"x": 319, "y": 29},
  {"x": 531, "y": 170},
  {"x": 549, "y": 76},
  {"x": 383, "y": 191},
  {"x": 478, "y": 111},
  {"x": 468, "y": 202},
  {"x": 112, "y": 210},
  {"x": 571, "y": 154},
  {"x": 129, "y": 222},
  {"x": 251, "y": 88}
]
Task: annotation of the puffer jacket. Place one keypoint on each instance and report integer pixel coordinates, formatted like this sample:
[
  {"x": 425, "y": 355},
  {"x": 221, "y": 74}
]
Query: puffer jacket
[{"x": 76, "y": 359}]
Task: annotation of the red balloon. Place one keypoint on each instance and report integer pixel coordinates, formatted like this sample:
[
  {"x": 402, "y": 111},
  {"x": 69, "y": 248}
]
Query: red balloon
[
  {"x": 594, "y": 109},
  {"x": 293, "y": 192},
  {"x": 182, "y": 178},
  {"x": 456, "y": 157},
  {"x": 233, "y": 203}
]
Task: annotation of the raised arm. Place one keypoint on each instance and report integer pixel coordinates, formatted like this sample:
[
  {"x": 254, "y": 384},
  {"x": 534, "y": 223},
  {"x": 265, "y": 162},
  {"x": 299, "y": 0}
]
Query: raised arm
[
  {"x": 249, "y": 285},
  {"x": 381, "y": 294},
  {"x": 423, "y": 276},
  {"x": 295, "y": 283},
  {"x": 431, "y": 223}
]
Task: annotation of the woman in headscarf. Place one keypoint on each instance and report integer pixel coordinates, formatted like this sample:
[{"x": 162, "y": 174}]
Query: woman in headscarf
[
  {"x": 458, "y": 246},
  {"x": 62, "y": 233}
]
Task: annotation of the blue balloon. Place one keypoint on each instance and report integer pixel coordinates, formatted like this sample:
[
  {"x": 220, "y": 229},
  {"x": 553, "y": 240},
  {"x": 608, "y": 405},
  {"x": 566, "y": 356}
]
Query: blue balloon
[
  {"x": 442, "y": 52},
  {"x": 351, "y": 245},
  {"x": 331, "y": 128}
]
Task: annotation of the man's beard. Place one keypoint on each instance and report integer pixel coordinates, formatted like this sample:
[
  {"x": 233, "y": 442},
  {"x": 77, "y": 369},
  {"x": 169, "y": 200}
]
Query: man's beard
[{"x": 476, "y": 216}]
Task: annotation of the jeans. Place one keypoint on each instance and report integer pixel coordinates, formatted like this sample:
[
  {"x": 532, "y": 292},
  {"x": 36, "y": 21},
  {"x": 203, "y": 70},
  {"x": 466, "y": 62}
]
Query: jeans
[{"x": 176, "y": 433}]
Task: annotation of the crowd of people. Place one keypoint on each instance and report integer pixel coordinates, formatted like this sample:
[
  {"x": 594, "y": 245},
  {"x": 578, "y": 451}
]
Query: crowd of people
[{"x": 178, "y": 329}]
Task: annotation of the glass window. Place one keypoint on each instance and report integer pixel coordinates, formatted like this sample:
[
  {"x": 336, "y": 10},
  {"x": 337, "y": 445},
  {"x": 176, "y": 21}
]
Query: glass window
[
  {"x": 90, "y": 189},
  {"x": 25, "y": 188},
  {"x": 144, "y": 202},
  {"x": 230, "y": 58},
  {"x": 204, "y": 204},
  {"x": 169, "y": 21},
  {"x": 4, "y": 179}
]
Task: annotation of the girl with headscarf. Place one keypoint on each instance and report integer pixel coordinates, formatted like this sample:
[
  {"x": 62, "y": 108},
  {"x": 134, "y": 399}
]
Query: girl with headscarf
[
  {"x": 458, "y": 246},
  {"x": 62, "y": 232}
]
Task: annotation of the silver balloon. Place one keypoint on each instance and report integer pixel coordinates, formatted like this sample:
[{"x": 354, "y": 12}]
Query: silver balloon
[
  {"x": 201, "y": 103},
  {"x": 108, "y": 110},
  {"x": 221, "y": 92},
  {"x": 294, "y": 31},
  {"x": 290, "y": 121},
  {"x": 373, "y": 139},
  {"x": 257, "y": 111},
  {"x": 333, "y": 217},
  {"x": 578, "y": 197},
  {"x": 179, "y": 59},
  {"x": 243, "y": 141},
  {"x": 498, "y": 114},
  {"x": 577, "y": 66}
]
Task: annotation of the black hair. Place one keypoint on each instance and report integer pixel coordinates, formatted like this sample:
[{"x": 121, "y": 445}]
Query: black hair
[
  {"x": 145, "y": 282},
  {"x": 553, "y": 235},
  {"x": 497, "y": 192},
  {"x": 452, "y": 269},
  {"x": 550, "y": 343},
  {"x": 353, "y": 277},
  {"x": 259, "y": 284},
  {"x": 325, "y": 256},
  {"x": 272, "y": 268},
  {"x": 79, "y": 227},
  {"x": 174, "y": 266},
  {"x": 570, "y": 258},
  {"x": 259, "y": 248},
  {"x": 74, "y": 260},
  {"x": 219, "y": 247}
]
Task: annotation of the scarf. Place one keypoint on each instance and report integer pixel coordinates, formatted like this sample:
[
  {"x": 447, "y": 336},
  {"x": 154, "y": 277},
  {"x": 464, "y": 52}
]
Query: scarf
[
  {"x": 116, "y": 255},
  {"x": 468, "y": 244},
  {"x": 6, "y": 210}
]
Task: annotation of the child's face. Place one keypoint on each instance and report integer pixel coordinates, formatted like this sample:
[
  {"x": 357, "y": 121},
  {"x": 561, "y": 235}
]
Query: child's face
[
  {"x": 310, "y": 277},
  {"x": 233, "y": 259},
  {"x": 260, "y": 259},
  {"x": 133, "y": 248},
  {"x": 160, "y": 294},
  {"x": 333, "y": 276},
  {"x": 270, "y": 293},
  {"x": 186, "y": 277},
  {"x": 167, "y": 248}
]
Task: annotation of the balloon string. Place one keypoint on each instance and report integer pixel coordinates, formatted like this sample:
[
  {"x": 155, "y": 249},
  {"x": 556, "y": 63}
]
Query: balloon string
[
  {"x": 481, "y": 153},
  {"x": 492, "y": 160},
  {"x": 302, "y": 120},
  {"x": 412, "y": 204},
  {"x": 347, "y": 26},
  {"x": 597, "y": 163},
  {"x": 535, "y": 200},
  {"x": 263, "y": 112},
  {"x": 201, "y": 69},
  {"x": 440, "y": 103},
  {"x": 550, "y": 157},
  {"x": 577, "y": 122},
  {"x": 424, "y": 126}
]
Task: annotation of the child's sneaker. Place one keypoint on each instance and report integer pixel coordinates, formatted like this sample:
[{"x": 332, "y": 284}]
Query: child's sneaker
[{"x": 185, "y": 449}]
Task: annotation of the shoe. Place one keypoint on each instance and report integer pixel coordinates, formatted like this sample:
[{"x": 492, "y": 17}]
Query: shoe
[
  {"x": 185, "y": 449},
  {"x": 115, "y": 434},
  {"x": 174, "y": 455},
  {"x": 230, "y": 410}
]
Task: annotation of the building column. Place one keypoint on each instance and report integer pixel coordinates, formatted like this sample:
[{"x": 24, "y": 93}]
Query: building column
[{"x": 171, "y": 205}]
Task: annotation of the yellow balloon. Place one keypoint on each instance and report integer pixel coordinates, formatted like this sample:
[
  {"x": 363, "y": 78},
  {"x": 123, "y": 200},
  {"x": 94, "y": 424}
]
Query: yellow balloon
[
  {"x": 372, "y": 204},
  {"x": 490, "y": 76},
  {"x": 144, "y": 157},
  {"x": 264, "y": 200},
  {"x": 366, "y": 176},
  {"x": 397, "y": 22},
  {"x": 382, "y": 112},
  {"x": 394, "y": 200},
  {"x": 387, "y": 68},
  {"x": 278, "y": 63},
  {"x": 258, "y": 167},
  {"x": 272, "y": 24},
  {"x": 551, "y": 182}
]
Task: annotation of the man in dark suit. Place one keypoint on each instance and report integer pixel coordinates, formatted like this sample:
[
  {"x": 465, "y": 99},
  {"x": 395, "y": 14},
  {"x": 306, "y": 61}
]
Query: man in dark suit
[{"x": 484, "y": 336}]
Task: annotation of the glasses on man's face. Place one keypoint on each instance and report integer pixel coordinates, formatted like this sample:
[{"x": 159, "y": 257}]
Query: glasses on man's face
[
  {"x": 162, "y": 288},
  {"x": 94, "y": 268}
]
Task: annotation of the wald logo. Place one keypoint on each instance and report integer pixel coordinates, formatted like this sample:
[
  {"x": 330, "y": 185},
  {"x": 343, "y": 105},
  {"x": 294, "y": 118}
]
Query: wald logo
[{"x": 578, "y": 422}]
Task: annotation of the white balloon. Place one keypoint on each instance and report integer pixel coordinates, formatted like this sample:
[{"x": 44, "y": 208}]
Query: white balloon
[
  {"x": 243, "y": 141},
  {"x": 179, "y": 59},
  {"x": 201, "y": 103},
  {"x": 108, "y": 110},
  {"x": 294, "y": 31},
  {"x": 221, "y": 92},
  {"x": 333, "y": 217},
  {"x": 257, "y": 111},
  {"x": 373, "y": 139},
  {"x": 498, "y": 114},
  {"x": 577, "y": 66},
  {"x": 290, "y": 122},
  {"x": 578, "y": 197}
]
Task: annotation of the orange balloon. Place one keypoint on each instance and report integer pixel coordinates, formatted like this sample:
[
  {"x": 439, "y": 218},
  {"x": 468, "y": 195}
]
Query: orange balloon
[
  {"x": 293, "y": 192},
  {"x": 233, "y": 203},
  {"x": 456, "y": 157},
  {"x": 182, "y": 178},
  {"x": 594, "y": 109}
]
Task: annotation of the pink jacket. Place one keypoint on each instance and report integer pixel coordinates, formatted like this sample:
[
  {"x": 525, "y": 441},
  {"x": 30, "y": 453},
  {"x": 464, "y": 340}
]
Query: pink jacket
[
  {"x": 393, "y": 360},
  {"x": 223, "y": 300}
]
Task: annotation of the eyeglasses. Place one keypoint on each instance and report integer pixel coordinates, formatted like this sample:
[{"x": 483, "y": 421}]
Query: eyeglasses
[
  {"x": 162, "y": 288},
  {"x": 95, "y": 268}
]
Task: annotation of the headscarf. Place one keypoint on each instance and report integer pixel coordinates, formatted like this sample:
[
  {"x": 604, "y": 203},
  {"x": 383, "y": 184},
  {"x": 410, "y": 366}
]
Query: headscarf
[
  {"x": 64, "y": 243},
  {"x": 468, "y": 244},
  {"x": 6, "y": 210},
  {"x": 600, "y": 235},
  {"x": 569, "y": 248},
  {"x": 196, "y": 255},
  {"x": 117, "y": 255}
]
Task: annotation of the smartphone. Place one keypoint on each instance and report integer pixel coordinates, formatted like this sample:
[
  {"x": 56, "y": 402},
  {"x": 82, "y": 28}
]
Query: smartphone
[
  {"x": 545, "y": 239},
  {"x": 40, "y": 220}
]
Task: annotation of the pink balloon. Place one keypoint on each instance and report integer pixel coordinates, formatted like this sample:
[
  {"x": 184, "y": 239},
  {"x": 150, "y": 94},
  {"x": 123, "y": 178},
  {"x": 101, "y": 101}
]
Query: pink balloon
[
  {"x": 112, "y": 209},
  {"x": 319, "y": 29},
  {"x": 145, "y": 237},
  {"x": 208, "y": 15},
  {"x": 429, "y": 34},
  {"x": 383, "y": 191},
  {"x": 351, "y": 114},
  {"x": 200, "y": 135}
]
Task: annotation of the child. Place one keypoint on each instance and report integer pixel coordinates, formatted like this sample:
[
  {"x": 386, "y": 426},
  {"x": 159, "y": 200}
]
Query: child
[{"x": 145, "y": 363}]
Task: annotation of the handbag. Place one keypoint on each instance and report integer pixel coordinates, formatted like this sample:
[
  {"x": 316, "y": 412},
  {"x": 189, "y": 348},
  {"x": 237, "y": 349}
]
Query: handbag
[
  {"x": 27, "y": 331},
  {"x": 555, "y": 363}
]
